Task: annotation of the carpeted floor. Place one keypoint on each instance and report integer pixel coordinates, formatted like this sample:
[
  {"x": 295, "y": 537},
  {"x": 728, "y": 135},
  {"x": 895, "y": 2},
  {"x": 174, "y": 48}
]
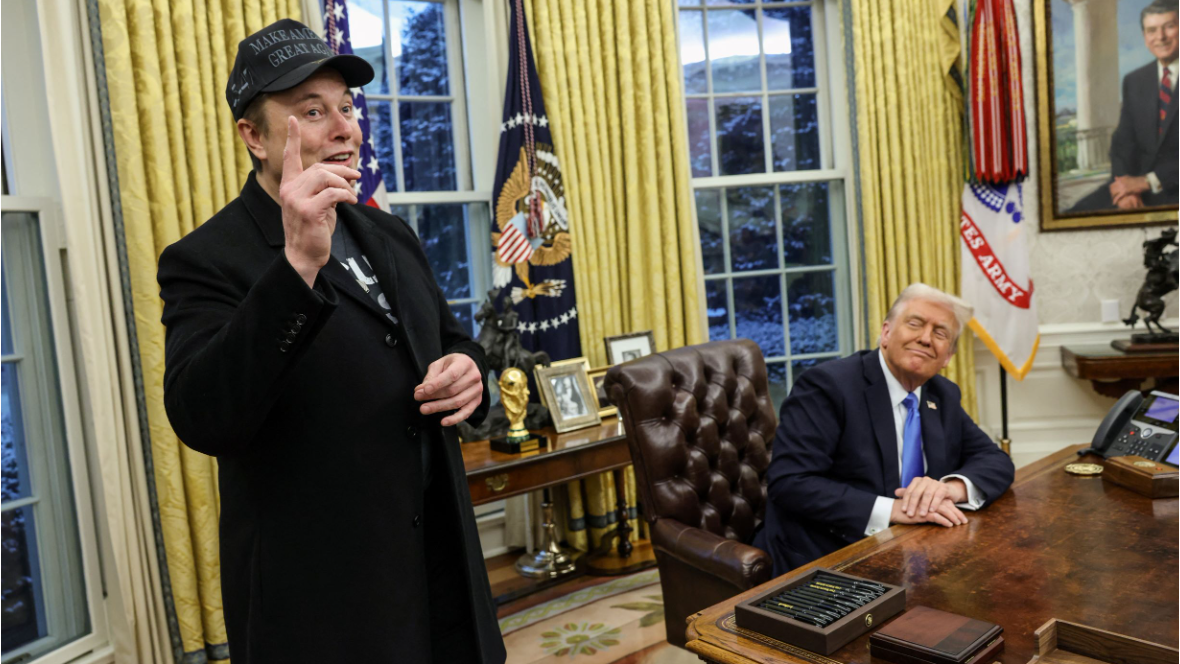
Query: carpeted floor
[{"x": 619, "y": 621}]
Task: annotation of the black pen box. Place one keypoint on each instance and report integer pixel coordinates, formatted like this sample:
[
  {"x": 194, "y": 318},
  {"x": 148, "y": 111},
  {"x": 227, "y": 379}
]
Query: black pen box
[{"x": 828, "y": 638}]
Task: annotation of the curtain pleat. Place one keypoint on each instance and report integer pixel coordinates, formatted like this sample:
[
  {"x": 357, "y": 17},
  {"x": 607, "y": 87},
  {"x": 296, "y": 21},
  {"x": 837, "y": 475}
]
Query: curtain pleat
[
  {"x": 909, "y": 117},
  {"x": 179, "y": 162},
  {"x": 610, "y": 76}
]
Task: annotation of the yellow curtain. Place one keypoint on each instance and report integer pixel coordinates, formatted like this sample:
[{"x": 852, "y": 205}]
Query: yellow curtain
[
  {"x": 179, "y": 161},
  {"x": 909, "y": 123},
  {"x": 610, "y": 77}
]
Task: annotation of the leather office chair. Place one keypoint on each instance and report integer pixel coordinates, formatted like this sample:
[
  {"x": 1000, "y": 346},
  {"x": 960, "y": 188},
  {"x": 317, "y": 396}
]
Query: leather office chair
[{"x": 700, "y": 424}]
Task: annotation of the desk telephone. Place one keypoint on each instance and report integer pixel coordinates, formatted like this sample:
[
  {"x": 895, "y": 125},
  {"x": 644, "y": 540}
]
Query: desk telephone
[{"x": 1139, "y": 425}]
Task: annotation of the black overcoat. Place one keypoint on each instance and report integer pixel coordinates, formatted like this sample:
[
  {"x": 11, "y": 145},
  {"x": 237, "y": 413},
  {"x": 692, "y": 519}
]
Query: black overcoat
[{"x": 304, "y": 395}]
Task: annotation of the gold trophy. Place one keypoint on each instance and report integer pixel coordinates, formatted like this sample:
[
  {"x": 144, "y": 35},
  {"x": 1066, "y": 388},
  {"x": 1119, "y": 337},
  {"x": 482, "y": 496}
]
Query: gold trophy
[{"x": 514, "y": 396}]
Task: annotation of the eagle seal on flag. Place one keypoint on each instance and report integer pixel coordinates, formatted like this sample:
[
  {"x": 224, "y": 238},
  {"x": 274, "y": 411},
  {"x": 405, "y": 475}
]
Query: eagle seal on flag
[{"x": 532, "y": 250}]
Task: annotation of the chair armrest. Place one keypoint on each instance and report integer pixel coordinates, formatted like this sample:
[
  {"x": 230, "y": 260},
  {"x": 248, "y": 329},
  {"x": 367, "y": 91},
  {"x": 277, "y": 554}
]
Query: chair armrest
[{"x": 741, "y": 565}]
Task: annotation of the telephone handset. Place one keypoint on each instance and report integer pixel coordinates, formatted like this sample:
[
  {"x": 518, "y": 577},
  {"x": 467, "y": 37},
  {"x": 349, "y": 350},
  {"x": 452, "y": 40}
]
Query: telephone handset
[{"x": 1139, "y": 425}]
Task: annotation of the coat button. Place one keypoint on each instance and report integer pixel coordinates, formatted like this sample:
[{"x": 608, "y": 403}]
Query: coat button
[
  {"x": 390, "y": 340},
  {"x": 411, "y": 432},
  {"x": 417, "y": 520},
  {"x": 300, "y": 318}
]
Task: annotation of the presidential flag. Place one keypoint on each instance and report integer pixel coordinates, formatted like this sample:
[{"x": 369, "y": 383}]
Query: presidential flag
[
  {"x": 370, "y": 189},
  {"x": 531, "y": 240},
  {"x": 995, "y": 273}
]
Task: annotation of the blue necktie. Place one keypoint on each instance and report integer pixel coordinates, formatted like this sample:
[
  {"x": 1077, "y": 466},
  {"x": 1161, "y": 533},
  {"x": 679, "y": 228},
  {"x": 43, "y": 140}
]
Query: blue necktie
[{"x": 911, "y": 451}]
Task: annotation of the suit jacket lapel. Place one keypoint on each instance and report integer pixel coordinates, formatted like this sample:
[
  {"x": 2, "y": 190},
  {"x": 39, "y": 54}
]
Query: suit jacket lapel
[
  {"x": 933, "y": 444},
  {"x": 881, "y": 413}
]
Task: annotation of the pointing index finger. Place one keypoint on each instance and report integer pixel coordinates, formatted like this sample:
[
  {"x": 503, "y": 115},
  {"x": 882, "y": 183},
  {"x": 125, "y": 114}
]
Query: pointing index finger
[{"x": 293, "y": 151}]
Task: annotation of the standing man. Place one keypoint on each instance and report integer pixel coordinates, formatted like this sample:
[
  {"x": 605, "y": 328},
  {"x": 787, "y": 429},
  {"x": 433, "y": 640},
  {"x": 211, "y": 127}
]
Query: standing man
[
  {"x": 310, "y": 349},
  {"x": 1145, "y": 147},
  {"x": 879, "y": 438}
]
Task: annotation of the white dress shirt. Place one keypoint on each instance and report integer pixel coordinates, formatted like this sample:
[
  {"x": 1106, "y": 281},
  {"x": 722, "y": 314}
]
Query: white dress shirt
[
  {"x": 1153, "y": 180},
  {"x": 883, "y": 506}
]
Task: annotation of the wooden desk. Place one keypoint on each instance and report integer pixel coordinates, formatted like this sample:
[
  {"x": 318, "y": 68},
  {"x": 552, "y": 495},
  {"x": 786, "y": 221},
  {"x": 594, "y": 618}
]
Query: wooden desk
[
  {"x": 1113, "y": 372},
  {"x": 570, "y": 456},
  {"x": 1055, "y": 546}
]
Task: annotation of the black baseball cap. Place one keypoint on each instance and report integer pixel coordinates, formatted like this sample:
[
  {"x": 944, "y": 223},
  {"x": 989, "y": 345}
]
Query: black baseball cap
[{"x": 281, "y": 56}]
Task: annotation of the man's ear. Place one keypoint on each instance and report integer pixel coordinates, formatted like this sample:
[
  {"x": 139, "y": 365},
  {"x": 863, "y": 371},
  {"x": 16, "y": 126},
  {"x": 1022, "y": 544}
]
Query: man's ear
[
  {"x": 252, "y": 138},
  {"x": 881, "y": 340}
]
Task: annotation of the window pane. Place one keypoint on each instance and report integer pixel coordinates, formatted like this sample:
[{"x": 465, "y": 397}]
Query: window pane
[
  {"x": 794, "y": 130},
  {"x": 751, "y": 228},
  {"x": 758, "y": 310},
  {"x": 812, "y": 306},
  {"x": 464, "y": 314},
  {"x": 717, "y": 308},
  {"x": 21, "y": 597},
  {"x": 709, "y": 220},
  {"x": 729, "y": 2},
  {"x": 402, "y": 211},
  {"x": 701, "y": 156},
  {"x": 381, "y": 122},
  {"x": 692, "y": 52},
  {"x": 14, "y": 476},
  {"x": 443, "y": 232},
  {"x": 776, "y": 374},
  {"x": 7, "y": 331},
  {"x": 739, "y": 135},
  {"x": 733, "y": 50},
  {"x": 419, "y": 47},
  {"x": 368, "y": 40},
  {"x": 807, "y": 234},
  {"x": 427, "y": 151},
  {"x": 790, "y": 56},
  {"x": 690, "y": 3}
]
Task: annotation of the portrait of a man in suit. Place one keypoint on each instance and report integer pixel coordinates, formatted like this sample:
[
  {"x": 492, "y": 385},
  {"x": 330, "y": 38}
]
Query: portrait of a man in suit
[{"x": 1143, "y": 147}]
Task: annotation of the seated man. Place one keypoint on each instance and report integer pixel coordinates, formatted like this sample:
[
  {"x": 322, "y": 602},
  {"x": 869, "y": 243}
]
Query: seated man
[{"x": 878, "y": 438}]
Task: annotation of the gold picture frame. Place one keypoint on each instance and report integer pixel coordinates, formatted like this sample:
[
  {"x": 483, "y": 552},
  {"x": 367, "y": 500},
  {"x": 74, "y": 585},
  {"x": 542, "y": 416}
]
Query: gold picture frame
[
  {"x": 1059, "y": 186},
  {"x": 596, "y": 377},
  {"x": 569, "y": 395},
  {"x": 626, "y": 347}
]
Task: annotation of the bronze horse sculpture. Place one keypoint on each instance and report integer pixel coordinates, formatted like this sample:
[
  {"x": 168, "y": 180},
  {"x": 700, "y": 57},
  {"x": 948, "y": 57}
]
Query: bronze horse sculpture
[{"x": 1161, "y": 279}]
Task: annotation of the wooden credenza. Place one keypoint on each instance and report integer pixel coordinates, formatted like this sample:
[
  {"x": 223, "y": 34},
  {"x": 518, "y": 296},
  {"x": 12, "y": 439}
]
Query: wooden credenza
[{"x": 1055, "y": 546}]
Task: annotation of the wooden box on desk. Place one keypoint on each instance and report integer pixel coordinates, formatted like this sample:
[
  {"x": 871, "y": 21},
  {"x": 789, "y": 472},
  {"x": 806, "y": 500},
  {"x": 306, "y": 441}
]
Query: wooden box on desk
[
  {"x": 823, "y": 640},
  {"x": 1143, "y": 476},
  {"x": 1061, "y": 642}
]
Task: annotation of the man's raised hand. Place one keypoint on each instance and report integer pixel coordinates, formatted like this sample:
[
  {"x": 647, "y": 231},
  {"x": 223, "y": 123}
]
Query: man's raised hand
[{"x": 309, "y": 199}]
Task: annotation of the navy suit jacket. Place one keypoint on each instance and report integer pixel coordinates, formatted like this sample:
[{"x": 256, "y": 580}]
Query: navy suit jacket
[
  {"x": 1138, "y": 146},
  {"x": 835, "y": 451}
]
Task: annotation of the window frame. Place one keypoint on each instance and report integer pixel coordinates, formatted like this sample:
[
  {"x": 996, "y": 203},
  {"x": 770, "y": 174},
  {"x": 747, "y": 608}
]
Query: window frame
[
  {"x": 463, "y": 25},
  {"x": 54, "y": 382},
  {"x": 836, "y": 169}
]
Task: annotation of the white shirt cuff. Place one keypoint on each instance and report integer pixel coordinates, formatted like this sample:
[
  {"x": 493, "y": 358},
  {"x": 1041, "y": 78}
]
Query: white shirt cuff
[
  {"x": 1154, "y": 181},
  {"x": 974, "y": 495},
  {"x": 879, "y": 519}
]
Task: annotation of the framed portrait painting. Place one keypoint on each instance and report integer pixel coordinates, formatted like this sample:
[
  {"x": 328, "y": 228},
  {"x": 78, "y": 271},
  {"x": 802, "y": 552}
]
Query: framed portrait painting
[{"x": 1106, "y": 112}]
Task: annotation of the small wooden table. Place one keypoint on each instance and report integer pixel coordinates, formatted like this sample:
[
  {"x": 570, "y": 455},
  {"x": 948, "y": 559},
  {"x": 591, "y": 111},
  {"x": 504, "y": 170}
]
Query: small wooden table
[
  {"x": 1054, "y": 546},
  {"x": 1113, "y": 372},
  {"x": 494, "y": 475}
]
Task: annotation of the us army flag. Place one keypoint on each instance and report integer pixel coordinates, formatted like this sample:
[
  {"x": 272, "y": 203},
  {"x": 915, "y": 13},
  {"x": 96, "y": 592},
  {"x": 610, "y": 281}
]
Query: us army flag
[{"x": 995, "y": 274}]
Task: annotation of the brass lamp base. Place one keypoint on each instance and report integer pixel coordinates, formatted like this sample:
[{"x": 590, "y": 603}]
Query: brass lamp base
[{"x": 550, "y": 561}]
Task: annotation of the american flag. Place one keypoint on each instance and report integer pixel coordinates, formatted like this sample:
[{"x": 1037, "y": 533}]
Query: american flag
[{"x": 370, "y": 188}]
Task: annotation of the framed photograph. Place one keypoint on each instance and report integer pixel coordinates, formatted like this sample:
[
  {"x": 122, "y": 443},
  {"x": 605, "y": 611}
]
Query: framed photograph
[
  {"x": 598, "y": 379},
  {"x": 568, "y": 394},
  {"x": 1108, "y": 137},
  {"x": 627, "y": 347}
]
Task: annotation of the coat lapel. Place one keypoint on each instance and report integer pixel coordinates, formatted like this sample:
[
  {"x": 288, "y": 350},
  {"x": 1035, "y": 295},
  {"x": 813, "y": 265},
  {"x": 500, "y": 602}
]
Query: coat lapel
[
  {"x": 881, "y": 413},
  {"x": 933, "y": 444}
]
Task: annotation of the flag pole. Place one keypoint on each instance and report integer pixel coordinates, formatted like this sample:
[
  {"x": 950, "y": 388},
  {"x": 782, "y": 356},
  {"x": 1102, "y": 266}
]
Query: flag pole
[{"x": 1005, "y": 442}]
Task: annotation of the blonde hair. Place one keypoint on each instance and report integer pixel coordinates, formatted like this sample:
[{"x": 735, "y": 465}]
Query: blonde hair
[{"x": 920, "y": 291}]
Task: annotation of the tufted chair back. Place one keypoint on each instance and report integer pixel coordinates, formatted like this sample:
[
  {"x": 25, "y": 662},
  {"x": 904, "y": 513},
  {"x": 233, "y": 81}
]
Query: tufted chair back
[{"x": 700, "y": 423}]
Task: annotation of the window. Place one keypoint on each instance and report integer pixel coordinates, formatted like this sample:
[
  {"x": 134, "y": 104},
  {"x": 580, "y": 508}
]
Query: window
[
  {"x": 418, "y": 108},
  {"x": 770, "y": 177},
  {"x": 44, "y": 595}
]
